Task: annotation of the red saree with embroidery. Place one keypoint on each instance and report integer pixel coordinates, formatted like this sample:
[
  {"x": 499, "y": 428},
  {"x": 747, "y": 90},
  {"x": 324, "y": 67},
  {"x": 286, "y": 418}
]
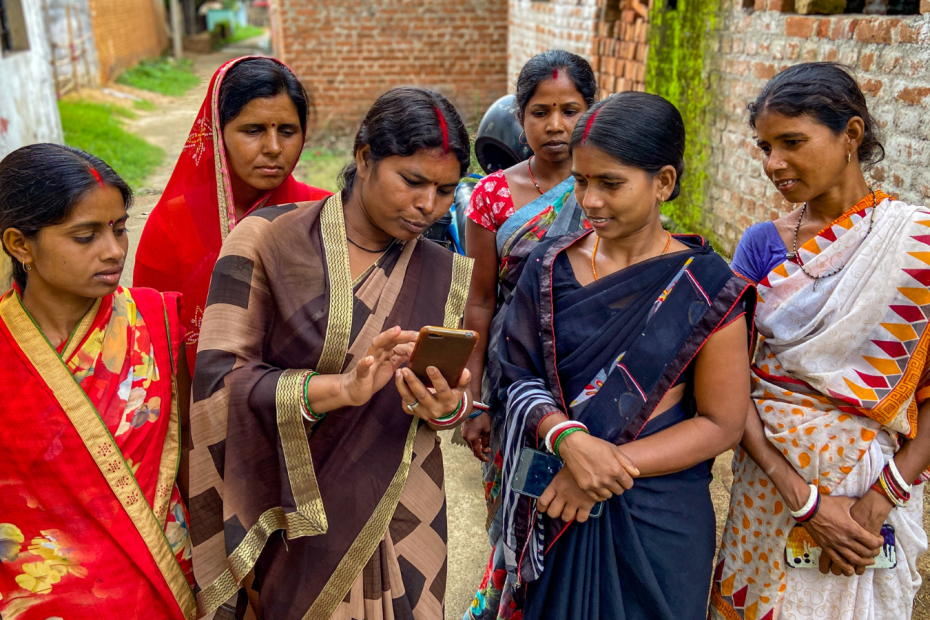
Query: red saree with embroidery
[
  {"x": 183, "y": 235},
  {"x": 92, "y": 525}
]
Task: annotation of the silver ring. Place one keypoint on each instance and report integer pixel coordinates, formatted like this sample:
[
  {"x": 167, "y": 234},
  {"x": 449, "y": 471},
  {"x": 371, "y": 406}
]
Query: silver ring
[{"x": 413, "y": 406}]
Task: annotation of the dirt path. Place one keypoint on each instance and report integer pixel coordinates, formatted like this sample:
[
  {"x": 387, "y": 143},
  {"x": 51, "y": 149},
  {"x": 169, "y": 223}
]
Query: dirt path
[{"x": 168, "y": 127}]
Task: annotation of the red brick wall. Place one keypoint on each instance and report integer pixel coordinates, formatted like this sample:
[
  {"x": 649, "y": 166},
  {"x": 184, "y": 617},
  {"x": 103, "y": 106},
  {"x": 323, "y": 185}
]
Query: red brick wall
[
  {"x": 125, "y": 32},
  {"x": 621, "y": 48},
  {"x": 537, "y": 26},
  {"x": 348, "y": 52},
  {"x": 891, "y": 59}
]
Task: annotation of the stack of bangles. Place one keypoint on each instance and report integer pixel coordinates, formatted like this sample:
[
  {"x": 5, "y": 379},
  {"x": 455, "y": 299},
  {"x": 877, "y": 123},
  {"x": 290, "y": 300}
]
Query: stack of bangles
[
  {"x": 559, "y": 432},
  {"x": 305, "y": 407},
  {"x": 455, "y": 416},
  {"x": 808, "y": 510},
  {"x": 478, "y": 408},
  {"x": 892, "y": 485}
]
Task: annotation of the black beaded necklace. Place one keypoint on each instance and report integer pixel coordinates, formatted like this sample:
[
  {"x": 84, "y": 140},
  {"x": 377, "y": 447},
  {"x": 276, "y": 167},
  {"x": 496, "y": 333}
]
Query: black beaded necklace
[{"x": 793, "y": 254}]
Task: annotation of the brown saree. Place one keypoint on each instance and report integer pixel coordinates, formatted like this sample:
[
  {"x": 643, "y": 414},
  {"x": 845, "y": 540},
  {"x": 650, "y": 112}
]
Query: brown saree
[{"x": 345, "y": 518}]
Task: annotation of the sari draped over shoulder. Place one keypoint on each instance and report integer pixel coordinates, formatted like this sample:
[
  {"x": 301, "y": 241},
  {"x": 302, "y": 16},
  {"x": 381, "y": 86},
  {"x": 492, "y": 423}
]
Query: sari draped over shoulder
[
  {"x": 553, "y": 214},
  {"x": 606, "y": 354},
  {"x": 838, "y": 376},
  {"x": 344, "y": 518},
  {"x": 92, "y": 525},
  {"x": 183, "y": 234}
]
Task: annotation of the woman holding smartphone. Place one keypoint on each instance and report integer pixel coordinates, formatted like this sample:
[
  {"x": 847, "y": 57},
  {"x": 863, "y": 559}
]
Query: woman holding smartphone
[
  {"x": 625, "y": 354},
  {"x": 838, "y": 432},
  {"x": 510, "y": 212},
  {"x": 302, "y": 421}
]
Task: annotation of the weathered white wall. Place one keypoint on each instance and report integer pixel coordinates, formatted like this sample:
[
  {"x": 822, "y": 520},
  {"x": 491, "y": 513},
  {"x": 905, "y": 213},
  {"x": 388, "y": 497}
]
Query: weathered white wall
[{"x": 28, "y": 107}]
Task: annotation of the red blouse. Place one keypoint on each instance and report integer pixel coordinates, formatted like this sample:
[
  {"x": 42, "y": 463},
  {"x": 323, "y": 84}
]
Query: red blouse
[{"x": 491, "y": 203}]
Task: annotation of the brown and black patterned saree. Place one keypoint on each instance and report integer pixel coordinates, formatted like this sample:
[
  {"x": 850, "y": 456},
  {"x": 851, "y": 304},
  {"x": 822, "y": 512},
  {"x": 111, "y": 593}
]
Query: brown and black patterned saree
[{"x": 346, "y": 518}]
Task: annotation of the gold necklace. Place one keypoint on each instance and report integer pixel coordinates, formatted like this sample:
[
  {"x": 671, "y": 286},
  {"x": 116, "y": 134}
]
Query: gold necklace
[{"x": 597, "y": 242}]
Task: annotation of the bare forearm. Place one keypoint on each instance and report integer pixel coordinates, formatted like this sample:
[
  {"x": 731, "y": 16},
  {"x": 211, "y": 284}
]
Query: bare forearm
[
  {"x": 478, "y": 316},
  {"x": 914, "y": 456},
  {"x": 786, "y": 479},
  {"x": 681, "y": 446}
]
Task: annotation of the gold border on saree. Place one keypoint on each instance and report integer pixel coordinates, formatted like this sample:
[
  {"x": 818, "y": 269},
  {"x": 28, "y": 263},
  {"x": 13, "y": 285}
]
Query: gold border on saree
[{"x": 100, "y": 444}]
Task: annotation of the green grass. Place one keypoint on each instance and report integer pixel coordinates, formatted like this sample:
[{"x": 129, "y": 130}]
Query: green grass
[
  {"x": 144, "y": 104},
  {"x": 96, "y": 128},
  {"x": 161, "y": 75},
  {"x": 244, "y": 32},
  {"x": 321, "y": 167}
]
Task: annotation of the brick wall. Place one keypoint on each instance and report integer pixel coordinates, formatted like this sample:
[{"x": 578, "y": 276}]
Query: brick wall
[
  {"x": 351, "y": 51},
  {"x": 540, "y": 25},
  {"x": 891, "y": 58},
  {"x": 126, "y": 31},
  {"x": 621, "y": 48}
]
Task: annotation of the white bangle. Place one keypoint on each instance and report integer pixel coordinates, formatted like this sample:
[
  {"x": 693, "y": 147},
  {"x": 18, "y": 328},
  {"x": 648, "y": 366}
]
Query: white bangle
[
  {"x": 555, "y": 431},
  {"x": 897, "y": 476},
  {"x": 806, "y": 508}
]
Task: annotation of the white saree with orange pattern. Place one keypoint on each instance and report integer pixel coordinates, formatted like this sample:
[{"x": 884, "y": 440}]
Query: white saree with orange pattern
[{"x": 838, "y": 376}]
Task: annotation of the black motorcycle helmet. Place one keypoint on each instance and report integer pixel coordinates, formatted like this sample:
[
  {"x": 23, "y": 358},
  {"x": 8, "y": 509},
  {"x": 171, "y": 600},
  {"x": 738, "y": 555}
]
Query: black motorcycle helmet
[{"x": 498, "y": 145}]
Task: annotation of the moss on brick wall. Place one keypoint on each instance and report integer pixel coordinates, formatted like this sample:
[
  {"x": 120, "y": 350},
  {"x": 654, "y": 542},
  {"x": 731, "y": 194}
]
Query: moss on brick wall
[{"x": 681, "y": 41}]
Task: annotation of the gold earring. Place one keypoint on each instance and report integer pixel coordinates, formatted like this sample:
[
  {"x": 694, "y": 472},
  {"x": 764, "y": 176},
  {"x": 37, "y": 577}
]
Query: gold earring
[
  {"x": 26, "y": 267},
  {"x": 848, "y": 157}
]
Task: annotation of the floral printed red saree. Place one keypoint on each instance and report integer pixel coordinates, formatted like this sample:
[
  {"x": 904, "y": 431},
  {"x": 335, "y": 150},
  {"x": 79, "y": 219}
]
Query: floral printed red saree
[{"x": 92, "y": 525}]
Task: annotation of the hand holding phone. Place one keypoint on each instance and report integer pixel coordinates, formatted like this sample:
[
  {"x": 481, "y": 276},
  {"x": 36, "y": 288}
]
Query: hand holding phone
[
  {"x": 536, "y": 471},
  {"x": 445, "y": 349},
  {"x": 802, "y": 551}
]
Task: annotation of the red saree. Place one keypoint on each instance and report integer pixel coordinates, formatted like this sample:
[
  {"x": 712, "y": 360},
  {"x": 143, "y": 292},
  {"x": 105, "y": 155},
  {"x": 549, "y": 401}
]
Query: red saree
[
  {"x": 182, "y": 238},
  {"x": 92, "y": 525}
]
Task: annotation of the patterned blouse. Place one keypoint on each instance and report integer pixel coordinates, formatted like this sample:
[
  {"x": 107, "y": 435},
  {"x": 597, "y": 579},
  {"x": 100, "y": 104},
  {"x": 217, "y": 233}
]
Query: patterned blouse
[{"x": 491, "y": 203}]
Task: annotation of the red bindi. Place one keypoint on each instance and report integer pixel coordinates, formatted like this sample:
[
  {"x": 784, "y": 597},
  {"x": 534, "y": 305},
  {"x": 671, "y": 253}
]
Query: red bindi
[
  {"x": 111, "y": 224},
  {"x": 554, "y": 104},
  {"x": 555, "y": 73},
  {"x": 435, "y": 184},
  {"x": 587, "y": 176}
]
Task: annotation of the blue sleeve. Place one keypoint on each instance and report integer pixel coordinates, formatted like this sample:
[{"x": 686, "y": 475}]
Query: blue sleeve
[{"x": 759, "y": 252}]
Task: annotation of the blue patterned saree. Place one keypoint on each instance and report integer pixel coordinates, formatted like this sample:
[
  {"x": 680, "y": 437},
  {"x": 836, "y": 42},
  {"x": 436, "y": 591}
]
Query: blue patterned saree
[{"x": 606, "y": 354}]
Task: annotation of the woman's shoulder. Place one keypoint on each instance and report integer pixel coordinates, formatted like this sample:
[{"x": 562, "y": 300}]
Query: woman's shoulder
[
  {"x": 491, "y": 203},
  {"x": 760, "y": 250},
  {"x": 492, "y": 183},
  {"x": 268, "y": 228}
]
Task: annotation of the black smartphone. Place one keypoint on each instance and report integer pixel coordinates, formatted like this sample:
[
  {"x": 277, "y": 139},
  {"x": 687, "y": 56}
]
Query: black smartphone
[{"x": 535, "y": 472}]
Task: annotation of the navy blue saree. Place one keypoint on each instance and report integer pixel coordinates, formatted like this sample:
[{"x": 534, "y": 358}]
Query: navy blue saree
[{"x": 606, "y": 354}]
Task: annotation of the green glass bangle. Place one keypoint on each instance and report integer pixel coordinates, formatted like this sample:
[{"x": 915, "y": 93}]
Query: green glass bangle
[
  {"x": 317, "y": 417},
  {"x": 562, "y": 436},
  {"x": 446, "y": 418}
]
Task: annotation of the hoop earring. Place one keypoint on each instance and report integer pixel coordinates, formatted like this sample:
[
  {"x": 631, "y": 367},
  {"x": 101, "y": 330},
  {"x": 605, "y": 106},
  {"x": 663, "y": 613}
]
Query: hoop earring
[
  {"x": 522, "y": 138},
  {"x": 26, "y": 267}
]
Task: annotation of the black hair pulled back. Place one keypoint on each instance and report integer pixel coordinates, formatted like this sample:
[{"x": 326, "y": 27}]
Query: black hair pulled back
[
  {"x": 640, "y": 130},
  {"x": 828, "y": 94},
  {"x": 40, "y": 185},
  {"x": 543, "y": 67},
  {"x": 256, "y": 78},
  {"x": 401, "y": 122}
]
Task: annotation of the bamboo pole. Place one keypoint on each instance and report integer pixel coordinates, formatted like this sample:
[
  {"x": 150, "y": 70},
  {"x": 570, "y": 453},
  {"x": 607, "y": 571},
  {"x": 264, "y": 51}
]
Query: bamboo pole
[
  {"x": 74, "y": 68},
  {"x": 82, "y": 41},
  {"x": 177, "y": 29}
]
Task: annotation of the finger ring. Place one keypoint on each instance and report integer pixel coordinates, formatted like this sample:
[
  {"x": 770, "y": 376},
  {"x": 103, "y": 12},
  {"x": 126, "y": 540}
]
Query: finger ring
[{"x": 413, "y": 406}]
